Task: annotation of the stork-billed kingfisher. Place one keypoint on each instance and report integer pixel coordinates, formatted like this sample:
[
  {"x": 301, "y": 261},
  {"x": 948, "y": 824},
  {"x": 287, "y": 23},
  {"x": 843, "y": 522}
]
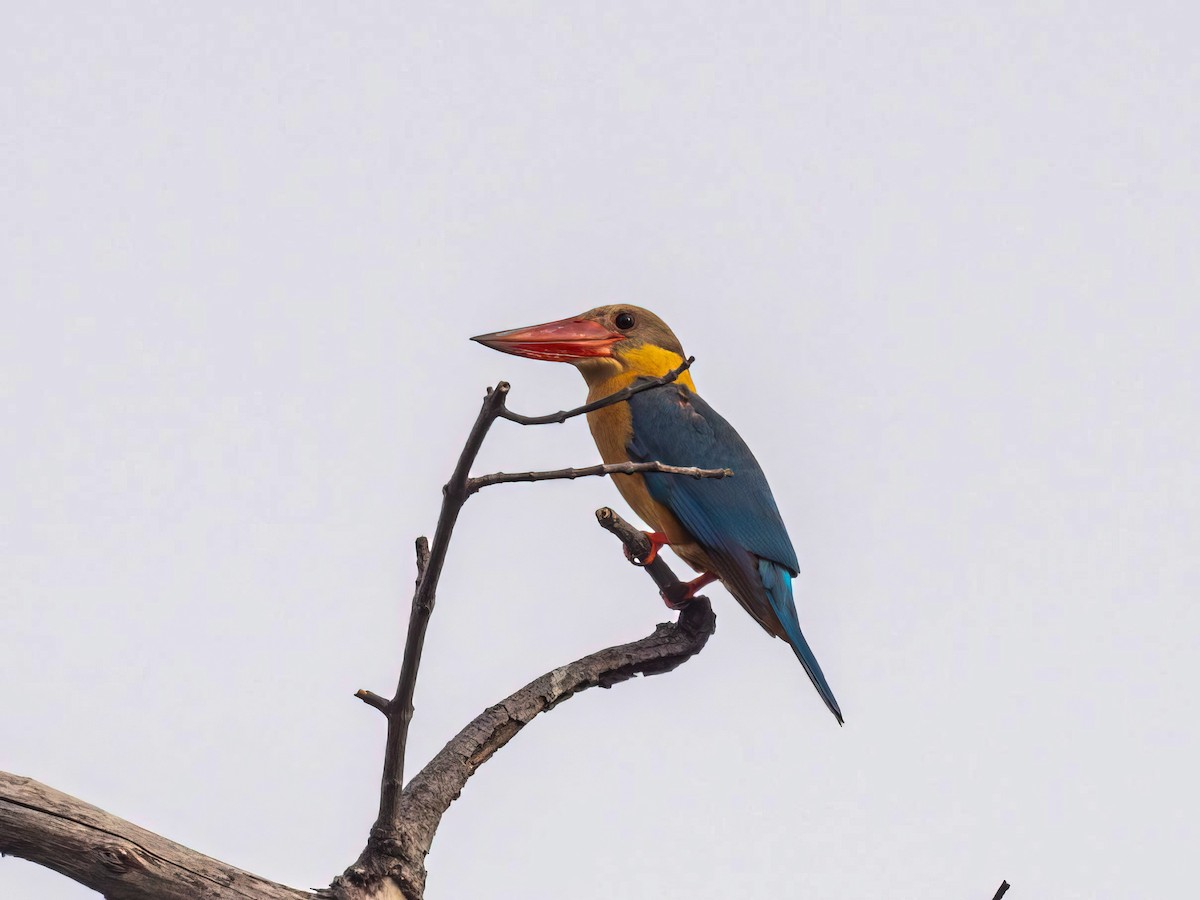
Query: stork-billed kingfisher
[{"x": 728, "y": 529}]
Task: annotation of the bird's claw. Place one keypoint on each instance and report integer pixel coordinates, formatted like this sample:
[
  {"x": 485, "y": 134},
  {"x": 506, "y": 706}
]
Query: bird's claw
[
  {"x": 682, "y": 593},
  {"x": 675, "y": 600},
  {"x": 656, "y": 540},
  {"x": 650, "y": 557}
]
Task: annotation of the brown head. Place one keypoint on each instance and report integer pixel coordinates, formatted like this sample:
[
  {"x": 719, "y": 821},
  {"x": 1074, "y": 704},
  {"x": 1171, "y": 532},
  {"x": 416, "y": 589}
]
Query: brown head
[{"x": 619, "y": 342}]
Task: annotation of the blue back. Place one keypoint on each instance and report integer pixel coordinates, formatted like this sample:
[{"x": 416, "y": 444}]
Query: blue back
[{"x": 676, "y": 427}]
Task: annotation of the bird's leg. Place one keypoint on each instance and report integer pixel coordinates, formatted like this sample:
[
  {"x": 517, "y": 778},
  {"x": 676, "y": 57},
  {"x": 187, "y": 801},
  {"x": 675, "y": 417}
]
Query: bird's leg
[
  {"x": 683, "y": 593},
  {"x": 657, "y": 539}
]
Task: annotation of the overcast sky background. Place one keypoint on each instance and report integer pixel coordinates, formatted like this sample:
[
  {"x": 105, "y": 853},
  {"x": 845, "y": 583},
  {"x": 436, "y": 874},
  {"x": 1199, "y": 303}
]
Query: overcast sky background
[{"x": 937, "y": 264}]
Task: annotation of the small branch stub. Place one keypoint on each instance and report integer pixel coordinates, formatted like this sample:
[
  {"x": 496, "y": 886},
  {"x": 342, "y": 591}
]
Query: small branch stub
[
  {"x": 422, "y": 548},
  {"x": 372, "y": 699}
]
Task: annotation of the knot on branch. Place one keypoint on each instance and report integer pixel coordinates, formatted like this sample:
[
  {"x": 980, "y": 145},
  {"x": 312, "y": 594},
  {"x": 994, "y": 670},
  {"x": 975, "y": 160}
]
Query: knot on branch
[
  {"x": 118, "y": 858},
  {"x": 409, "y": 816}
]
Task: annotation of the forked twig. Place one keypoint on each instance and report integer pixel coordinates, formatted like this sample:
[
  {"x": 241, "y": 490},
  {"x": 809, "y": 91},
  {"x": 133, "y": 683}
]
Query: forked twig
[
  {"x": 432, "y": 790},
  {"x": 394, "y": 848}
]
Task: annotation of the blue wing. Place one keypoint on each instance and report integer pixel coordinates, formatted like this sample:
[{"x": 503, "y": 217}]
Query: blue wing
[
  {"x": 735, "y": 519},
  {"x": 674, "y": 426}
]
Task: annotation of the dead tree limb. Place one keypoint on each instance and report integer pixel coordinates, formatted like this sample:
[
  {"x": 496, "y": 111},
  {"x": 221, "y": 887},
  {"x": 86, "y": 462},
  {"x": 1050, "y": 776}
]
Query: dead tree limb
[
  {"x": 397, "y": 845},
  {"x": 432, "y": 790},
  {"x": 126, "y": 862},
  {"x": 399, "y": 710},
  {"x": 113, "y": 856}
]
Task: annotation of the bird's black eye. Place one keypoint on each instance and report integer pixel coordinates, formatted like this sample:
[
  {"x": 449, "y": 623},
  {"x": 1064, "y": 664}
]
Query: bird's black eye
[{"x": 624, "y": 321}]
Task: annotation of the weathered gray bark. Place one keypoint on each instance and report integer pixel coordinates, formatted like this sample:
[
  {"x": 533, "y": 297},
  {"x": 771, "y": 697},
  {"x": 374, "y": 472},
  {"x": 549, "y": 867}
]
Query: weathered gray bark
[
  {"x": 401, "y": 854},
  {"x": 125, "y": 862},
  {"x": 115, "y": 857}
]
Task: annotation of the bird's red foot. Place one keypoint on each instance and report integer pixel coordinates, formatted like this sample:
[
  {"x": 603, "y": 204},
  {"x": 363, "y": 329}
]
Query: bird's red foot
[
  {"x": 657, "y": 539},
  {"x": 683, "y": 593}
]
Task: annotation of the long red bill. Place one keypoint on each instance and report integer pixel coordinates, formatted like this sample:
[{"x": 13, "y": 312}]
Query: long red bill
[{"x": 562, "y": 341}]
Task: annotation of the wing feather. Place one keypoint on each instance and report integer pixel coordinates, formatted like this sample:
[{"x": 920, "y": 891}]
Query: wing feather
[
  {"x": 675, "y": 426},
  {"x": 735, "y": 519}
]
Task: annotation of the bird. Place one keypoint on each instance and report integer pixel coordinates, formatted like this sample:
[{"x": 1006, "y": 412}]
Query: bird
[{"x": 728, "y": 529}]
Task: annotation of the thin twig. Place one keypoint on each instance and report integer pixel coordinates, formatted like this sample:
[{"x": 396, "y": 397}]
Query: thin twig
[
  {"x": 400, "y": 710},
  {"x": 370, "y": 697},
  {"x": 617, "y": 397},
  {"x": 1004, "y": 886},
  {"x": 627, "y": 468}
]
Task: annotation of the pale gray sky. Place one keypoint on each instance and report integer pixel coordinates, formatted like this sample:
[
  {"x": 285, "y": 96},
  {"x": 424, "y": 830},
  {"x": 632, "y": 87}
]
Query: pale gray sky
[{"x": 938, "y": 265}]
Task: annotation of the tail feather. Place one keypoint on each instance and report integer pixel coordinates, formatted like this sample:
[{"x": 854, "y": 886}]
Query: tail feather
[{"x": 778, "y": 584}]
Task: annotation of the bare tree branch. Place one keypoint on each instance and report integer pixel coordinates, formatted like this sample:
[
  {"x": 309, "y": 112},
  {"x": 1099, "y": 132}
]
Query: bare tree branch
[
  {"x": 628, "y": 468},
  {"x": 113, "y": 856},
  {"x": 422, "y": 547},
  {"x": 126, "y": 862},
  {"x": 400, "y": 709},
  {"x": 435, "y": 787},
  {"x": 429, "y": 566},
  {"x": 1002, "y": 890},
  {"x": 394, "y": 850}
]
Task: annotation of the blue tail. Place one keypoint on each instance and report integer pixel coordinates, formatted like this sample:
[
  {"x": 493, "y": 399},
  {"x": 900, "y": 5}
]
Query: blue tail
[{"x": 778, "y": 583}]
